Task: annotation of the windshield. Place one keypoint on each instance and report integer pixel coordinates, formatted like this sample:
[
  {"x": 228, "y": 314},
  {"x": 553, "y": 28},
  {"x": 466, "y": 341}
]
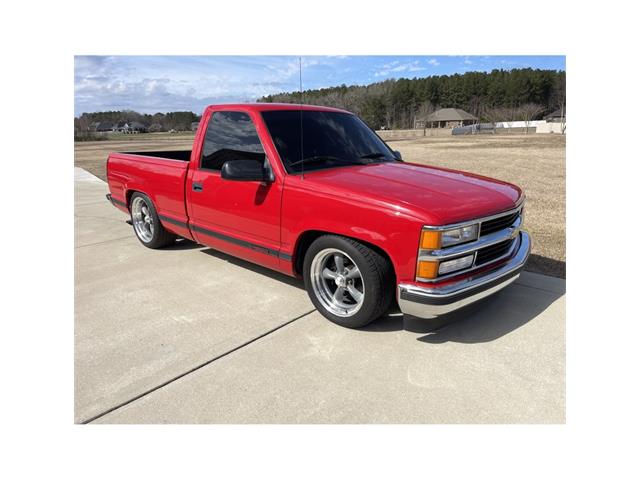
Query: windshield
[{"x": 331, "y": 139}]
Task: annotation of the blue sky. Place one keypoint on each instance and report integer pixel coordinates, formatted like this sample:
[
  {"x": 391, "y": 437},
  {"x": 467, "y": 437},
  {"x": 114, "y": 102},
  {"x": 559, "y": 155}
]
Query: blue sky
[{"x": 150, "y": 84}]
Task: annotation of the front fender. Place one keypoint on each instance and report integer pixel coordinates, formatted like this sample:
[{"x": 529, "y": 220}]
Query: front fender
[{"x": 394, "y": 231}]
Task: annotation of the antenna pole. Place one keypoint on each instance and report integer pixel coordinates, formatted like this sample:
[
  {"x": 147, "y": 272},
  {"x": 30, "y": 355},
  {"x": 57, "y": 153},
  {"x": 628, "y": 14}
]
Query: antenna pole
[{"x": 301, "y": 135}]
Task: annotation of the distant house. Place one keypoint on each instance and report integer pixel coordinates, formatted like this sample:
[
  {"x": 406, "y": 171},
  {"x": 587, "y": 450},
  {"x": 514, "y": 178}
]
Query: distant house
[
  {"x": 447, "y": 118},
  {"x": 129, "y": 127},
  {"x": 137, "y": 127},
  {"x": 194, "y": 126},
  {"x": 559, "y": 115},
  {"x": 101, "y": 126},
  {"x": 121, "y": 127}
]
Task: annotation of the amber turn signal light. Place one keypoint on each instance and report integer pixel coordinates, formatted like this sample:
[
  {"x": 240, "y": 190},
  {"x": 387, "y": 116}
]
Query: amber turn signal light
[
  {"x": 427, "y": 269},
  {"x": 430, "y": 240}
]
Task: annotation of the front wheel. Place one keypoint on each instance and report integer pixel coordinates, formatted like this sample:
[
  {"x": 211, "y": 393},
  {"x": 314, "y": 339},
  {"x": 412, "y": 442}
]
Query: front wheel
[{"x": 348, "y": 282}]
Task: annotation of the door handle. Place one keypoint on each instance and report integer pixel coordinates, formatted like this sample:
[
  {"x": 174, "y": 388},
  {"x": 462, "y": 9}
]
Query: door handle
[{"x": 196, "y": 187}]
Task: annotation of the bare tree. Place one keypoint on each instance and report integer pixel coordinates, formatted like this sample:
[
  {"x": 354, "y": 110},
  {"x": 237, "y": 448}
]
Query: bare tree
[
  {"x": 388, "y": 118},
  {"x": 528, "y": 112},
  {"x": 558, "y": 100},
  {"x": 424, "y": 110},
  {"x": 475, "y": 106},
  {"x": 561, "y": 105},
  {"x": 82, "y": 123},
  {"x": 497, "y": 115},
  {"x": 494, "y": 115}
]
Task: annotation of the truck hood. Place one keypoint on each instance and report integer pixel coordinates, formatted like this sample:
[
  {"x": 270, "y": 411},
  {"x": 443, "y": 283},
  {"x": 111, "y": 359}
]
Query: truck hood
[{"x": 437, "y": 196}]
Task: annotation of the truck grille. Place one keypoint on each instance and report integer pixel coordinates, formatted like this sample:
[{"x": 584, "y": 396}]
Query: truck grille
[
  {"x": 499, "y": 223},
  {"x": 493, "y": 252},
  {"x": 497, "y": 239}
]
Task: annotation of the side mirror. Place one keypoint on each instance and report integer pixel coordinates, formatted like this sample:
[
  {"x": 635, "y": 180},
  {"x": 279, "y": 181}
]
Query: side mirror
[
  {"x": 397, "y": 154},
  {"x": 246, "y": 171}
]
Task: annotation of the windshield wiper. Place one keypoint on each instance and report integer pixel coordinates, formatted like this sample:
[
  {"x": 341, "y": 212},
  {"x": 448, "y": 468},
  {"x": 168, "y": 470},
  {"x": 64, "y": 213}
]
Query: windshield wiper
[
  {"x": 325, "y": 158},
  {"x": 373, "y": 155}
]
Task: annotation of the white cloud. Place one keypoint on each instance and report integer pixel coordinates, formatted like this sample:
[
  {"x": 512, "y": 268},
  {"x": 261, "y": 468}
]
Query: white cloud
[
  {"x": 433, "y": 62},
  {"x": 396, "y": 67},
  {"x": 161, "y": 84}
]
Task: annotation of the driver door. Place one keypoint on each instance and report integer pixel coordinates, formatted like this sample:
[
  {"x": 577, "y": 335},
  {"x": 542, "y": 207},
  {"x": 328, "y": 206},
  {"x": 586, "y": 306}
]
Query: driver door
[{"x": 239, "y": 217}]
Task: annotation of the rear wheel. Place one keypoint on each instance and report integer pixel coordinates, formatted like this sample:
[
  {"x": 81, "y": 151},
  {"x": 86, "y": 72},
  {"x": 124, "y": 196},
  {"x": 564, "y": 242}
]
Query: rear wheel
[
  {"x": 146, "y": 223},
  {"x": 349, "y": 283}
]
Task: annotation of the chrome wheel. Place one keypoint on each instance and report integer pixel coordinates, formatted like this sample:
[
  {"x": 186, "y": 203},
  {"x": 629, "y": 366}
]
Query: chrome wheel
[
  {"x": 337, "y": 282},
  {"x": 142, "y": 219}
]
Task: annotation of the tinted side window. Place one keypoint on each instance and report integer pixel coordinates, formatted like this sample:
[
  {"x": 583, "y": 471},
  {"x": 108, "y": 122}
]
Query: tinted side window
[{"x": 230, "y": 136}]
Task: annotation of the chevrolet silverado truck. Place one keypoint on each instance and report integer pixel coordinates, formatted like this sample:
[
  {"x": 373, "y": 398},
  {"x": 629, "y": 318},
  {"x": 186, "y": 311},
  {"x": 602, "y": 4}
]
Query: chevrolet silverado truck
[{"x": 313, "y": 192}]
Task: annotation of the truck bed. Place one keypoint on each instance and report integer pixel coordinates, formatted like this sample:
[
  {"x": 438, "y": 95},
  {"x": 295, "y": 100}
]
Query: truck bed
[{"x": 160, "y": 175}]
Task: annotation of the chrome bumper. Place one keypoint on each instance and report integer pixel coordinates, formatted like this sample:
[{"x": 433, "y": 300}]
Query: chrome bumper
[{"x": 431, "y": 301}]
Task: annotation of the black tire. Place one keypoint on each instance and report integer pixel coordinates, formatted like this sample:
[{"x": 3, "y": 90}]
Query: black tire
[
  {"x": 160, "y": 237},
  {"x": 376, "y": 277}
]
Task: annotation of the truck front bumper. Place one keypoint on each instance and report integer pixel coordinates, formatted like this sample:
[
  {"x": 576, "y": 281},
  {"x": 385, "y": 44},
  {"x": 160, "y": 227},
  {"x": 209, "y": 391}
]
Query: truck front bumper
[{"x": 432, "y": 301}]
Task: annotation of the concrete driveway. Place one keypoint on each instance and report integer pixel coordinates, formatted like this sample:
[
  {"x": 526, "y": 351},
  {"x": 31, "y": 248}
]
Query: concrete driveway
[{"x": 191, "y": 335}]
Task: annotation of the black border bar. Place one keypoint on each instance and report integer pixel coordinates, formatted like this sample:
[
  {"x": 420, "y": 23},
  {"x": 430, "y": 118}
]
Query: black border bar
[
  {"x": 114, "y": 201},
  {"x": 227, "y": 238}
]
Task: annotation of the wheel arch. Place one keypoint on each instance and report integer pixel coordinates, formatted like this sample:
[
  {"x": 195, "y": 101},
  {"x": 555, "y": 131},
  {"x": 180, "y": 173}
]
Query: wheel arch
[
  {"x": 306, "y": 238},
  {"x": 129, "y": 193}
]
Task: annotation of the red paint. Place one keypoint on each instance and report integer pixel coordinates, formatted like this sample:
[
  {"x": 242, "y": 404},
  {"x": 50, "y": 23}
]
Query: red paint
[{"x": 383, "y": 204}]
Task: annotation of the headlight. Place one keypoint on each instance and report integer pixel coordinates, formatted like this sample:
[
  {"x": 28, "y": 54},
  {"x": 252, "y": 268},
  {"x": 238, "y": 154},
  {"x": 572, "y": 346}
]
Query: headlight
[
  {"x": 433, "y": 239},
  {"x": 459, "y": 235}
]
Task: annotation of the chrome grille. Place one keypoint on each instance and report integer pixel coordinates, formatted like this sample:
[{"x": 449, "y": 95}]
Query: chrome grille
[
  {"x": 493, "y": 252},
  {"x": 499, "y": 223}
]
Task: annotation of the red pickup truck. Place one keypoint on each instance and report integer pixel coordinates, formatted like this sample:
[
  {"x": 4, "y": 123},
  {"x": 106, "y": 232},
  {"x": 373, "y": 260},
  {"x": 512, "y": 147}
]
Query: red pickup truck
[{"x": 313, "y": 192}]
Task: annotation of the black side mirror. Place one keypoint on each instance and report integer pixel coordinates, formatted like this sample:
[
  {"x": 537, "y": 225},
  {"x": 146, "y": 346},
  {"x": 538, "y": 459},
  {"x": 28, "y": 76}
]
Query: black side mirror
[
  {"x": 397, "y": 154},
  {"x": 246, "y": 171}
]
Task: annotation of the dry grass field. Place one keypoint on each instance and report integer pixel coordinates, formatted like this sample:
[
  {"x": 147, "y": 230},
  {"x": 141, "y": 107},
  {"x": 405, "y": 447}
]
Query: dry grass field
[
  {"x": 92, "y": 156},
  {"x": 536, "y": 163}
]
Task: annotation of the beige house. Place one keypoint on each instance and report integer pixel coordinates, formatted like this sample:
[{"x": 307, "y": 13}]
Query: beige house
[
  {"x": 559, "y": 115},
  {"x": 447, "y": 118}
]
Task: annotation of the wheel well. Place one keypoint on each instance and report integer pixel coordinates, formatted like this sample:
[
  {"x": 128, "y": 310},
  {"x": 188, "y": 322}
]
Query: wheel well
[
  {"x": 308, "y": 237},
  {"x": 128, "y": 197},
  {"x": 129, "y": 194}
]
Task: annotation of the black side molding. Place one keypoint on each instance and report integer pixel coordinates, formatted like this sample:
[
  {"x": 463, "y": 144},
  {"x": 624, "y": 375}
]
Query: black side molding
[
  {"x": 115, "y": 202},
  {"x": 173, "y": 221},
  {"x": 227, "y": 238},
  {"x": 242, "y": 243}
]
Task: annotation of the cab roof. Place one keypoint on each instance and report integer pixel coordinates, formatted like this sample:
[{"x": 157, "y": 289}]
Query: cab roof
[{"x": 263, "y": 107}]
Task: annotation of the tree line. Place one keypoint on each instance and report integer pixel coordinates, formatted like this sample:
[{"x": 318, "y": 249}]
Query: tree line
[
  {"x": 499, "y": 95},
  {"x": 157, "y": 122}
]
